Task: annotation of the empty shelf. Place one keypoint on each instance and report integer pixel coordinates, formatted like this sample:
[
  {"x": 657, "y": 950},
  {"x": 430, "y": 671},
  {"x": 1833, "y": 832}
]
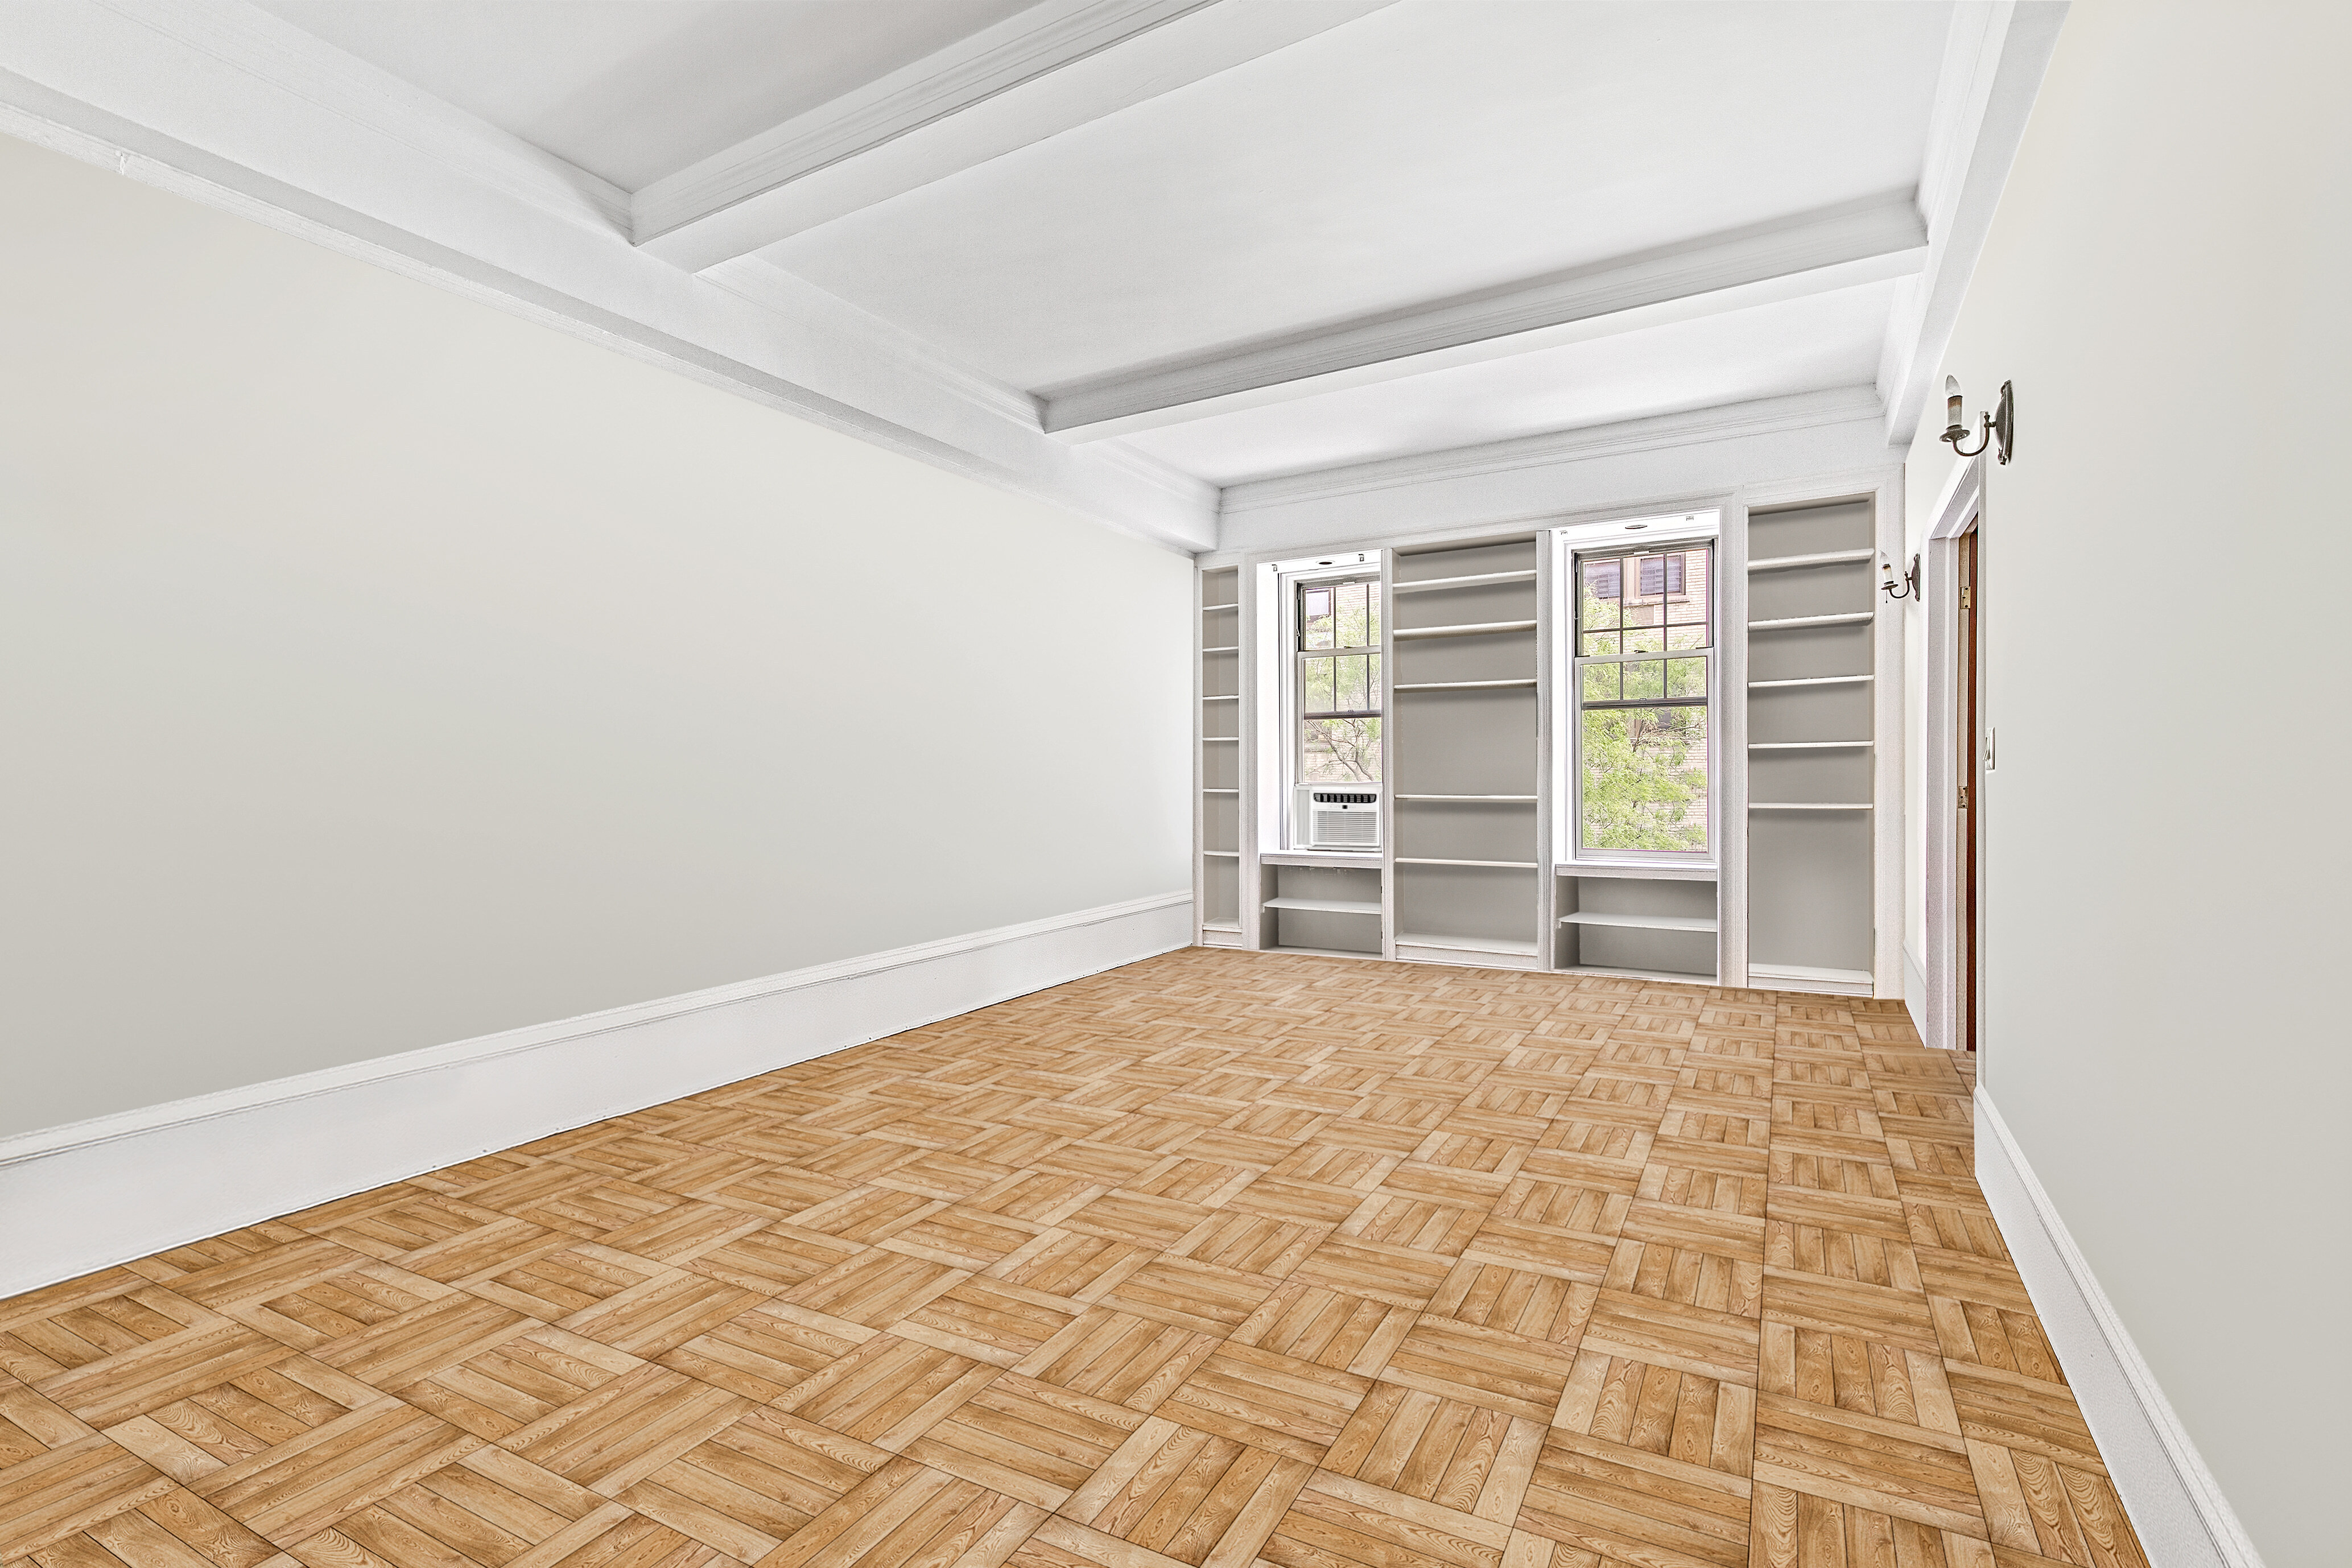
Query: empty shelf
[
  {"x": 1477, "y": 630},
  {"x": 1223, "y": 854},
  {"x": 1787, "y": 623},
  {"x": 1807, "y": 805},
  {"x": 1501, "y": 946},
  {"x": 1802, "y": 976},
  {"x": 1221, "y": 925},
  {"x": 1672, "y": 977},
  {"x": 1669, "y": 871},
  {"x": 1827, "y": 558},
  {"x": 1500, "y": 865},
  {"x": 1813, "y": 680},
  {"x": 1221, "y": 792},
  {"x": 1477, "y": 580},
  {"x": 1229, "y": 738},
  {"x": 1235, "y": 696},
  {"x": 1326, "y": 906},
  {"x": 1206, "y": 608},
  {"x": 1527, "y": 798},
  {"x": 1235, "y": 648},
  {"x": 1460, "y": 685},
  {"x": 1808, "y": 745},
  {"x": 1644, "y": 922}
]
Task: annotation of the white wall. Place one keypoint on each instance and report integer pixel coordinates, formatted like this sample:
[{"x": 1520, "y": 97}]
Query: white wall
[
  {"x": 378, "y": 670},
  {"x": 2168, "y": 873}
]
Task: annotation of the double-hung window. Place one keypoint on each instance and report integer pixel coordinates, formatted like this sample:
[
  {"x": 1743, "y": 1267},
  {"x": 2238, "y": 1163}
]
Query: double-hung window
[
  {"x": 1337, "y": 688},
  {"x": 1643, "y": 662}
]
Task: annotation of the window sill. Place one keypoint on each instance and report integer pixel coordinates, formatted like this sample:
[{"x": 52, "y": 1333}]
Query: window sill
[{"x": 1685, "y": 870}]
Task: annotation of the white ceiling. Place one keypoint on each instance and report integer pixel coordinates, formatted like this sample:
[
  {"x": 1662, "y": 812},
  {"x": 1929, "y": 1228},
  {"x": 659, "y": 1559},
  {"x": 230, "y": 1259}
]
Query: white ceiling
[
  {"x": 1247, "y": 238},
  {"x": 633, "y": 89},
  {"x": 1431, "y": 149}
]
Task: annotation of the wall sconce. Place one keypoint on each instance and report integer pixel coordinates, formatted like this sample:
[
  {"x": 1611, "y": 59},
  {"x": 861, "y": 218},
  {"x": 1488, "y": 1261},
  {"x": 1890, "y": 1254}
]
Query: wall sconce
[
  {"x": 2000, "y": 426},
  {"x": 1910, "y": 578}
]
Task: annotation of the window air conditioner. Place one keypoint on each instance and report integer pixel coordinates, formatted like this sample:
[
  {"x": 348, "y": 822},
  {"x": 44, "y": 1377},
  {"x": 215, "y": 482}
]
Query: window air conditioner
[{"x": 1343, "y": 819}]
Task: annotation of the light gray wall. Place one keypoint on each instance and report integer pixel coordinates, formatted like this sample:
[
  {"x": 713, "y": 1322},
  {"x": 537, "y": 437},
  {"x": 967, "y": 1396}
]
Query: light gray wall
[
  {"x": 378, "y": 670},
  {"x": 2166, "y": 558}
]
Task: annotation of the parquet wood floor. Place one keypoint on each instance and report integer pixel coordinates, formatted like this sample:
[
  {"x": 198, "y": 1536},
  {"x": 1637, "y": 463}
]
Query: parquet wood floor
[{"x": 1224, "y": 1260}]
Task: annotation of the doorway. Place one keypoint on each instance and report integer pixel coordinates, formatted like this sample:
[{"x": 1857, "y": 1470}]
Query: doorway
[
  {"x": 1957, "y": 846},
  {"x": 1966, "y": 766}
]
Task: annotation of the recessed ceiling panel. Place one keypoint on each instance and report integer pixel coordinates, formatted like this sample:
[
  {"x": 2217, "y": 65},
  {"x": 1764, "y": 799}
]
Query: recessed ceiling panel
[
  {"x": 1799, "y": 345},
  {"x": 1431, "y": 149},
  {"x": 633, "y": 89}
]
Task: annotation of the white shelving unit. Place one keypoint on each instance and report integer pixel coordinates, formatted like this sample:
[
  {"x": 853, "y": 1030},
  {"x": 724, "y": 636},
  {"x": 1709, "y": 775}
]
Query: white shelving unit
[
  {"x": 1476, "y": 580},
  {"x": 1639, "y": 922},
  {"x": 1478, "y": 629},
  {"x": 1789, "y": 563},
  {"x": 1460, "y": 685},
  {"x": 1514, "y": 799},
  {"x": 1466, "y": 655},
  {"x": 1654, "y": 922},
  {"x": 1813, "y": 605},
  {"x": 1808, "y": 977},
  {"x": 1217, "y": 763},
  {"x": 1485, "y": 951},
  {"x": 1797, "y": 889}
]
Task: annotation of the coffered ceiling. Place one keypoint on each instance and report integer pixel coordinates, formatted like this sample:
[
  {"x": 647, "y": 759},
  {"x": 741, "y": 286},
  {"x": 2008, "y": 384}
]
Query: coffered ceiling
[{"x": 1126, "y": 253}]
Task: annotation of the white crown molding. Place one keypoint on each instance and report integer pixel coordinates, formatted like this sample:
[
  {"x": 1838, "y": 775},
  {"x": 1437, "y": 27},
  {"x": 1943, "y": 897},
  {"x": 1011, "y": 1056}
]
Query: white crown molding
[
  {"x": 1763, "y": 416},
  {"x": 1746, "y": 449},
  {"x": 83, "y": 1196},
  {"x": 1844, "y": 246},
  {"x": 246, "y": 39},
  {"x": 1994, "y": 58},
  {"x": 1051, "y": 68},
  {"x": 212, "y": 99},
  {"x": 772, "y": 288},
  {"x": 2177, "y": 1507}
]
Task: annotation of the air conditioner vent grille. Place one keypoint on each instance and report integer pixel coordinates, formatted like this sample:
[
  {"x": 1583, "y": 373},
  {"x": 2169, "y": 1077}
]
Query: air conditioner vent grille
[{"x": 1343, "y": 819}]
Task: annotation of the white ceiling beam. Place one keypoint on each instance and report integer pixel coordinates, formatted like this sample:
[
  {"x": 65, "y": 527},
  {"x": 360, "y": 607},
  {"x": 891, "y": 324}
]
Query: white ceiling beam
[
  {"x": 1844, "y": 246},
  {"x": 1051, "y": 67},
  {"x": 223, "y": 103}
]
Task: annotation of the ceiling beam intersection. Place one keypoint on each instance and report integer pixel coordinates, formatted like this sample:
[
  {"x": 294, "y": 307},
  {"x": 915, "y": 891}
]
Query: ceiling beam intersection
[{"x": 1050, "y": 69}]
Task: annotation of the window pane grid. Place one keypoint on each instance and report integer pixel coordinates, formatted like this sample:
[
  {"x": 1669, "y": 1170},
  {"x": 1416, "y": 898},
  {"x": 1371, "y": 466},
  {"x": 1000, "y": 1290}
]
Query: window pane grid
[
  {"x": 1340, "y": 681},
  {"x": 1643, "y": 637}
]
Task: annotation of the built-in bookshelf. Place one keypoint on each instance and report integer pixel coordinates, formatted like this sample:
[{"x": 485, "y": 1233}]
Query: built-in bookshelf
[
  {"x": 1796, "y": 884},
  {"x": 1218, "y": 765},
  {"x": 1652, "y": 921},
  {"x": 1466, "y": 728},
  {"x": 1811, "y": 764},
  {"x": 1306, "y": 906}
]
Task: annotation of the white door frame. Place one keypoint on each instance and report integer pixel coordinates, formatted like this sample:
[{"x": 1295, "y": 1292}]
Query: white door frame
[{"x": 1961, "y": 509}]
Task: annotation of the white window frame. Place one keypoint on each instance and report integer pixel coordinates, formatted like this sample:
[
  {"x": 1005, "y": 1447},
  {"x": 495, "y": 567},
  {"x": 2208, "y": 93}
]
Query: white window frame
[
  {"x": 1629, "y": 534},
  {"x": 1290, "y": 577}
]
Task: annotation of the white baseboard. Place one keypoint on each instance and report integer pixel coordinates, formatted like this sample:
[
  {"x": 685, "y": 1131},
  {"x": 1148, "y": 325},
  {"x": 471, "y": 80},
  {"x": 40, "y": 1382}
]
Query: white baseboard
[
  {"x": 2183, "y": 1520},
  {"x": 84, "y": 1196},
  {"x": 1914, "y": 991}
]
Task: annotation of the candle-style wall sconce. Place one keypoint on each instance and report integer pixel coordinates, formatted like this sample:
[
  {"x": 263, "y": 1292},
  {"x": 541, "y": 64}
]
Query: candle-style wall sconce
[{"x": 2000, "y": 426}]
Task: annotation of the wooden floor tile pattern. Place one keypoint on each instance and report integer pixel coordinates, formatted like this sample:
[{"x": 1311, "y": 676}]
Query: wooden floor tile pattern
[{"x": 1220, "y": 1260}]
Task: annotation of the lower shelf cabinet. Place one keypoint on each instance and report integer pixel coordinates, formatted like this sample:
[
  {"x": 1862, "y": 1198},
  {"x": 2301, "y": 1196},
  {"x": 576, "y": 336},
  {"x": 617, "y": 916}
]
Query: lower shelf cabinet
[{"x": 1660, "y": 927}]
